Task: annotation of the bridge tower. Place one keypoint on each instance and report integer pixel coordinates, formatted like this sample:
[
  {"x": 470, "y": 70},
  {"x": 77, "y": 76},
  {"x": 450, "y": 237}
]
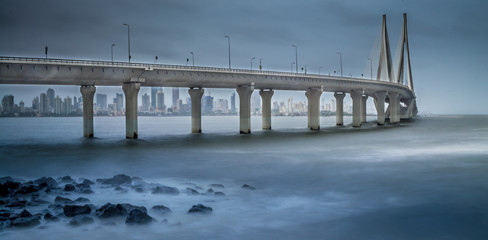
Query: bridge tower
[
  {"x": 385, "y": 62},
  {"x": 404, "y": 46}
]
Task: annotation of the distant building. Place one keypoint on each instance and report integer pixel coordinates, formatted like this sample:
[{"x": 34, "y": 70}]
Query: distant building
[
  {"x": 76, "y": 104},
  {"x": 68, "y": 106},
  {"x": 233, "y": 103},
  {"x": 290, "y": 105},
  {"x": 175, "y": 96},
  {"x": 255, "y": 102},
  {"x": 221, "y": 106},
  {"x": 160, "y": 101},
  {"x": 119, "y": 102},
  {"x": 154, "y": 92},
  {"x": 21, "y": 106},
  {"x": 35, "y": 104},
  {"x": 57, "y": 106},
  {"x": 146, "y": 102},
  {"x": 101, "y": 101},
  {"x": 8, "y": 104},
  {"x": 43, "y": 104},
  {"x": 50, "y": 99},
  {"x": 207, "y": 104}
]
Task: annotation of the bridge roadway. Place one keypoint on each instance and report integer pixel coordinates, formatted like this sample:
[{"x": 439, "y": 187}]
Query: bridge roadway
[{"x": 131, "y": 76}]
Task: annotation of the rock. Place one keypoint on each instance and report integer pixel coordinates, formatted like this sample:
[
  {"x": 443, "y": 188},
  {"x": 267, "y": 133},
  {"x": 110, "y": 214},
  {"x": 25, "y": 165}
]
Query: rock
[
  {"x": 200, "y": 208},
  {"x": 120, "y": 189},
  {"x": 8, "y": 187},
  {"x": 26, "y": 189},
  {"x": 192, "y": 191},
  {"x": 74, "y": 210},
  {"x": 4, "y": 213},
  {"x": 36, "y": 201},
  {"x": 25, "y": 222},
  {"x": 220, "y": 194},
  {"x": 248, "y": 187},
  {"x": 69, "y": 187},
  {"x": 162, "y": 210},
  {"x": 25, "y": 213},
  {"x": 165, "y": 190},
  {"x": 67, "y": 179},
  {"x": 84, "y": 188},
  {"x": 81, "y": 220},
  {"x": 111, "y": 210},
  {"x": 87, "y": 181},
  {"x": 50, "y": 218},
  {"x": 210, "y": 190},
  {"x": 139, "y": 189},
  {"x": 129, "y": 207},
  {"x": 216, "y": 185},
  {"x": 116, "y": 180},
  {"x": 16, "y": 203},
  {"x": 81, "y": 200},
  {"x": 46, "y": 182},
  {"x": 56, "y": 207},
  {"x": 138, "y": 216},
  {"x": 62, "y": 200}
]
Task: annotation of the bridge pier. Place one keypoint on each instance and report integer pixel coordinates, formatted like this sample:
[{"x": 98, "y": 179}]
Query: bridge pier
[
  {"x": 339, "y": 108},
  {"x": 364, "y": 99},
  {"x": 196, "y": 109},
  {"x": 245, "y": 92},
  {"x": 266, "y": 108},
  {"x": 380, "y": 107},
  {"x": 313, "y": 96},
  {"x": 394, "y": 107},
  {"x": 131, "y": 90},
  {"x": 356, "y": 108},
  {"x": 87, "y": 92}
]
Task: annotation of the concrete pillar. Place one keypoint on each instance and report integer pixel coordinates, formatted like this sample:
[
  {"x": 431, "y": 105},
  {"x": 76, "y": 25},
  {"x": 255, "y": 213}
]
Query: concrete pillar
[
  {"x": 339, "y": 108},
  {"x": 380, "y": 106},
  {"x": 245, "y": 92},
  {"x": 266, "y": 108},
  {"x": 87, "y": 93},
  {"x": 394, "y": 107},
  {"x": 131, "y": 90},
  {"x": 364, "y": 98},
  {"x": 196, "y": 109},
  {"x": 313, "y": 96},
  {"x": 356, "y": 108}
]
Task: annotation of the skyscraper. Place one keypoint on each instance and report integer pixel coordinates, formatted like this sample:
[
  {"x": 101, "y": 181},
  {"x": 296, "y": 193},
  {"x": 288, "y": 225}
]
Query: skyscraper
[
  {"x": 233, "y": 103},
  {"x": 176, "y": 96},
  {"x": 146, "y": 102},
  {"x": 35, "y": 104},
  {"x": 101, "y": 101},
  {"x": 255, "y": 102},
  {"x": 160, "y": 101},
  {"x": 207, "y": 104},
  {"x": 68, "y": 106},
  {"x": 50, "y": 99},
  {"x": 57, "y": 105},
  {"x": 154, "y": 92},
  {"x": 43, "y": 104},
  {"x": 21, "y": 106},
  {"x": 119, "y": 102},
  {"x": 8, "y": 103}
]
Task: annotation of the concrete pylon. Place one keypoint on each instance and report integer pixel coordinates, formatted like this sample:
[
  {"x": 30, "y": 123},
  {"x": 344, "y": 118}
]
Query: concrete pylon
[
  {"x": 379, "y": 99},
  {"x": 404, "y": 39},
  {"x": 313, "y": 96},
  {"x": 356, "y": 108},
  {"x": 245, "y": 92},
  {"x": 394, "y": 107},
  {"x": 196, "y": 109},
  {"x": 87, "y": 92},
  {"x": 131, "y": 90},
  {"x": 385, "y": 61},
  {"x": 364, "y": 99},
  {"x": 266, "y": 108},
  {"x": 339, "y": 108}
]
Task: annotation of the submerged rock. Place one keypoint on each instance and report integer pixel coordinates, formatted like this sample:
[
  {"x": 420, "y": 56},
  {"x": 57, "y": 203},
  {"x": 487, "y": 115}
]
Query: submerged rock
[
  {"x": 200, "y": 208},
  {"x": 62, "y": 200},
  {"x": 210, "y": 190},
  {"x": 81, "y": 220},
  {"x": 129, "y": 207},
  {"x": 192, "y": 191},
  {"x": 26, "y": 189},
  {"x": 220, "y": 194},
  {"x": 215, "y": 185},
  {"x": 7, "y": 187},
  {"x": 25, "y": 222},
  {"x": 165, "y": 190},
  {"x": 248, "y": 187},
  {"x": 74, "y": 210},
  {"x": 81, "y": 200},
  {"x": 87, "y": 181},
  {"x": 51, "y": 218},
  {"x": 116, "y": 180},
  {"x": 69, "y": 187},
  {"x": 46, "y": 182},
  {"x": 111, "y": 210},
  {"x": 16, "y": 203},
  {"x": 161, "y": 209},
  {"x": 67, "y": 179},
  {"x": 137, "y": 216}
]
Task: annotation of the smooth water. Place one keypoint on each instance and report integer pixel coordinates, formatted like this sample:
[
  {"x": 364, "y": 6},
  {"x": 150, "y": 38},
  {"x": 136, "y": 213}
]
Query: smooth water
[{"x": 424, "y": 179}]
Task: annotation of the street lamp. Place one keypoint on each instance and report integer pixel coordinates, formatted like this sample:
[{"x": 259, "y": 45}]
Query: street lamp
[
  {"x": 155, "y": 59},
  {"x": 304, "y": 68},
  {"x": 128, "y": 38},
  {"x": 296, "y": 56},
  {"x": 340, "y": 57},
  {"x": 228, "y": 38},
  {"x": 192, "y": 59},
  {"x": 251, "y": 62},
  {"x": 45, "y": 51},
  {"x": 260, "y": 66},
  {"x": 371, "y": 64},
  {"x": 112, "y": 51}
]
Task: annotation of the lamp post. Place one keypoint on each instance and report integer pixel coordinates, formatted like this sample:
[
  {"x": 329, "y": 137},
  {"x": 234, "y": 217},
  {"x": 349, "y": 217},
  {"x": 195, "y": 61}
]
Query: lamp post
[
  {"x": 192, "y": 59},
  {"x": 112, "y": 52},
  {"x": 128, "y": 38},
  {"x": 228, "y": 38},
  {"x": 260, "y": 65},
  {"x": 251, "y": 62},
  {"x": 155, "y": 59},
  {"x": 45, "y": 51},
  {"x": 340, "y": 57},
  {"x": 296, "y": 56},
  {"x": 371, "y": 64}
]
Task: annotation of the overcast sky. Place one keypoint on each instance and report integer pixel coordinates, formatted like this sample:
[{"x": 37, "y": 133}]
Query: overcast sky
[{"x": 448, "y": 39}]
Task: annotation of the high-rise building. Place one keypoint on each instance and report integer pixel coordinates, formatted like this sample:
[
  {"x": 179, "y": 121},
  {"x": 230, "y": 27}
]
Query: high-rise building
[
  {"x": 35, "y": 104},
  {"x": 146, "y": 102},
  {"x": 76, "y": 106},
  {"x": 160, "y": 101},
  {"x": 290, "y": 105},
  {"x": 176, "y": 96},
  {"x": 101, "y": 101},
  {"x": 255, "y": 102},
  {"x": 207, "y": 104},
  {"x": 154, "y": 100},
  {"x": 233, "y": 103},
  {"x": 8, "y": 104},
  {"x": 50, "y": 99},
  {"x": 57, "y": 105},
  {"x": 21, "y": 106},
  {"x": 222, "y": 106},
  {"x": 43, "y": 104},
  {"x": 68, "y": 106},
  {"x": 119, "y": 102}
]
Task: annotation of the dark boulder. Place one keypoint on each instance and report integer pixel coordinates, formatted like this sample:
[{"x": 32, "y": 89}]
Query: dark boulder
[
  {"x": 67, "y": 179},
  {"x": 25, "y": 222},
  {"x": 84, "y": 188},
  {"x": 165, "y": 190},
  {"x": 137, "y": 216},
  {"x": 210, "y": 190},
  {"x": 36, "y": 201},
  {"x": 191, "y": 191},
  {"x": 25, "y": 213},
  {"x": 8, "y": 187},
  {"x": 220, "y": 194},
  {"x": 81, "y": 220},
  {"x": 46, "y": 182},
  {"x": 26, "y": 189},
  {"x": 162, "y": 210},
  {"x": 69, "y": 187},
  {"x": 129, "y": 207},
  {"x": 74, "y": 210},
  {"x": 4, "y": 213},
  {"x": 81, "y": 200},
  {"x": 200, "y": 208},
  {"x": 62, "y": 200},
  {"x": 87, "y": 181},
  {"x": 16, "y": 203},
  {"x": 215, "y": 185},
  {"x": 111, "y": 210},
  {"x": 120, "y": 189},
  {"x": 55, "y": 207},
  {"x": 116, "y": 180},
  {"x": 248, "y": 187},
  {"x": 51, "y": 218}
]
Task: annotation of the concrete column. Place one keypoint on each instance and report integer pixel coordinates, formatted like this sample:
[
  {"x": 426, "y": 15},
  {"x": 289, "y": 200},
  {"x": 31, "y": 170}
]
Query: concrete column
[
  {"x": 380, "y": 107},
  {"x": 364, "y": 98},
  {"x": 245, "y": 92},
  {"x": 356, "y": 108},
  {"x": 339, "y": 108},
  {"x": 87, "y": 93},
  {"x": 266, "y": 108},
  {"x": 313, "y": 96},
  {"x": 394, "y": 107},
  {"x": 196, "y": 109},
  {"x": 131, "y": 90}
]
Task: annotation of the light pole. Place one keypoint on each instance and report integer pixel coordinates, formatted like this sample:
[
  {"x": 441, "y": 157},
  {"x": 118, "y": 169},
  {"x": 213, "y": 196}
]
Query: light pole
[
  {"x": 228, "y": 38},
  {"x": 304, "y": 68},
  {"x": 260, "y": 66},
  {"x": 251, "y": 62},
  {"x": 291, "y": 68},
  {"x": 371, "y": 64},
  {"x": 192, "y": 59},
  {"x": 340, "y": 57},
  {"x": 45, "y": 51},
  {"x": 155, "y": 59},
  {"x": 296, "y": 56},
  {"x": 319, "y": 69},
  {"x": 112, "y": 52},
  {"x": 128, "y": 38}
]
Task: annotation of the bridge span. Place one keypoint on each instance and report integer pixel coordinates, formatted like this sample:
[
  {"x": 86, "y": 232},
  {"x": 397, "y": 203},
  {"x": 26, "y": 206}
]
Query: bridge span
[{"x": 131, "y": 76}]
